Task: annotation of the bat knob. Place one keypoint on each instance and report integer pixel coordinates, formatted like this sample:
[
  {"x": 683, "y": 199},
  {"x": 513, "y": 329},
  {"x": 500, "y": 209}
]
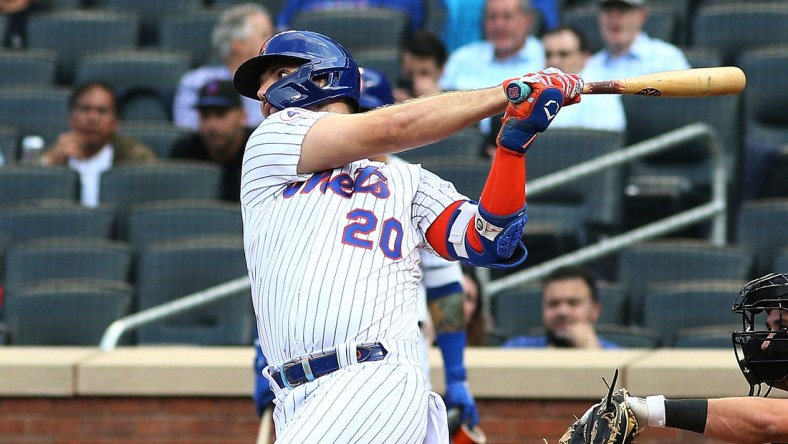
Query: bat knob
[{"x": 517, "y": 91}]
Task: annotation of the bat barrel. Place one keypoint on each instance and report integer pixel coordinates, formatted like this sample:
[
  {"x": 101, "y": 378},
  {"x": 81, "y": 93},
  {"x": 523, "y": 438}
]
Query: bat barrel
[{"x": 697, "y": 82}]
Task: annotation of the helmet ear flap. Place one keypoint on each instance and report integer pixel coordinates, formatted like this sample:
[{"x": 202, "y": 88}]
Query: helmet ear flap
[{"x": 293, "y": 88}]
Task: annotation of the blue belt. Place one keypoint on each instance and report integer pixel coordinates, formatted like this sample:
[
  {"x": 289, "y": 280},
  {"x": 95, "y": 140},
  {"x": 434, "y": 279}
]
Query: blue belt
[{"x": 300, "y": 372}]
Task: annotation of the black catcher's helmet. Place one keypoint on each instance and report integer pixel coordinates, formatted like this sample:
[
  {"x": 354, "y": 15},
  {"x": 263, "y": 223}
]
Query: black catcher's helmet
[{"x": 763, "y": 364}]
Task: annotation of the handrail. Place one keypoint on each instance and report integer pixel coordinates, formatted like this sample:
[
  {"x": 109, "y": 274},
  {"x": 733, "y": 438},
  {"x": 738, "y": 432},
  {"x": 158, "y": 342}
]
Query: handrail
[
  {"x": 113, "y": 333},
  {"x": 715, "y": 208}
]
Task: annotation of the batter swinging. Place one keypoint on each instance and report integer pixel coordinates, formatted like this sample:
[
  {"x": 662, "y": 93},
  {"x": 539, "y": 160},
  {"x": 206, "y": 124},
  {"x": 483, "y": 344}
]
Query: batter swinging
[{"x": 332, "y": 239}]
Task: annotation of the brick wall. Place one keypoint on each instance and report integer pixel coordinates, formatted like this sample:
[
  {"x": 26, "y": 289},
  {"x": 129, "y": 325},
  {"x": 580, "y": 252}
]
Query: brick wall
[{"x": 181, "y": 420}]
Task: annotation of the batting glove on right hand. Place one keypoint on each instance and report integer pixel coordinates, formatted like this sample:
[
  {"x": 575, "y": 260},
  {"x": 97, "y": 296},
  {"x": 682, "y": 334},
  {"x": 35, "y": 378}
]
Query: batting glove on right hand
[
  {"x": 458, "y": 395},
  {"x": 534, "y": 101}
]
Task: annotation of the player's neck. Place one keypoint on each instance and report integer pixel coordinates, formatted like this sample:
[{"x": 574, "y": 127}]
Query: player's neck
[{"x": 339, "y": 107}]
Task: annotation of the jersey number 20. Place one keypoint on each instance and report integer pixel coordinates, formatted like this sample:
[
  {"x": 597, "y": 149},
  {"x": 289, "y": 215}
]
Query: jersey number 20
[{"x": 364, "y": 223}]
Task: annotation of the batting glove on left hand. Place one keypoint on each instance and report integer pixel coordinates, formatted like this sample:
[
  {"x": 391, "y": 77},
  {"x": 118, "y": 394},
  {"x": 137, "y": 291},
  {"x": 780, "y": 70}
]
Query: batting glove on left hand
[{"x": 458, "y": 395}]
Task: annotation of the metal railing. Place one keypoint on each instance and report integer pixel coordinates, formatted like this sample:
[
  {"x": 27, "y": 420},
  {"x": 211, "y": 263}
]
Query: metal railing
[
  {"x": 115, "y": 331},
  {"x": 714, "y": 209}
]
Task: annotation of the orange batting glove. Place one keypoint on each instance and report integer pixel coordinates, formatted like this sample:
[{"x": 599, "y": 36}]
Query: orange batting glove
[{"x": 534, "y": 101}]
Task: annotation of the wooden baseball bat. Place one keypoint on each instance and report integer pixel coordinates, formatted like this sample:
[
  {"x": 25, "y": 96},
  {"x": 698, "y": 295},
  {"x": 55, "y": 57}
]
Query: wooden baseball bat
[{"x": 697, "y": 82}]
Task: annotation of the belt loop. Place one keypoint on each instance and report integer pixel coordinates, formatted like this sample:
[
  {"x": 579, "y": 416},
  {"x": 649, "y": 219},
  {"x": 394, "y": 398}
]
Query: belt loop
[
  {"x": 307, "y": 370},
  {"x": 268, "y": 373},
  {"x": 282, "y": 374},
  {"x": 346, "y": 354},
  {"x": 351, "y": 353}
]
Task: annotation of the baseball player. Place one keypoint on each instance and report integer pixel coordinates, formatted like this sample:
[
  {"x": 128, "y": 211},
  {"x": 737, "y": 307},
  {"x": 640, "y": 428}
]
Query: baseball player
[
  {"x": 763, "y": 359},
  {"x": 332, "y": 239},
  {"x": 440, "y": 278}
]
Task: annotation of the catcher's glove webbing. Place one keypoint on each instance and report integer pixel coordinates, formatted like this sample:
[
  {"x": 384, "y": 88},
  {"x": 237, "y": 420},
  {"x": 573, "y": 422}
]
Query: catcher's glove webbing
[{"x": 611, "y": 421}]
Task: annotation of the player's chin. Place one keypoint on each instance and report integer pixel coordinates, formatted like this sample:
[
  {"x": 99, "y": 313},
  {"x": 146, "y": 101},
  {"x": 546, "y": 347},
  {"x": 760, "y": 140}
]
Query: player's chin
[{"x": 266, "y": 108}]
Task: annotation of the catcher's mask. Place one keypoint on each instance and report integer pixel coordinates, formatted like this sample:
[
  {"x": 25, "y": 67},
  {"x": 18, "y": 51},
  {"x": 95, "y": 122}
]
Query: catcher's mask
[
  {"x": 755, "y": 301},
  {"x": 327, "y": 71}
]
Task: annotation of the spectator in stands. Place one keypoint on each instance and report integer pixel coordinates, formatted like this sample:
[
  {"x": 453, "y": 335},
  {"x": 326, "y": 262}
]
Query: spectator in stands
[
  {"x": 473, "y": 306},
  {"x": 570, "y": 309},
  {"x": 422, "y": 57},
  {"x": 221, "y": 137},
  {"x": 93, "y": 145},
  {"x": 462, "y": 23},
  {"x": 17, "y": 12},
  {"x": 237, "y": 36},
  {"x": 414, "y": 9},
  {"x": 566, "y": 48},
  {"x": 628, "y": 51},
  {"x": 508, "y": 51},
  {"x": 462, "y": 20}
]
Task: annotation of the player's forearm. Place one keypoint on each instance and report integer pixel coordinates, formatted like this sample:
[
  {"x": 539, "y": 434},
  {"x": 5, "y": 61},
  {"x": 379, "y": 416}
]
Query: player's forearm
[
  {"x": 338, "y": 139},
  {"x": 748, "y": 420},
  {"x": 447, "y": 313},
  {"x": 425, "y": 120}
]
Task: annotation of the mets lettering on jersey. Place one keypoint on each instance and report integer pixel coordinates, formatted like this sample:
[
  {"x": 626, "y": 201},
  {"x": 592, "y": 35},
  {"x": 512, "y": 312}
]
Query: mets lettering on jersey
[
  {"x": 333, "y": 256},
  {"x": 362, "y": 222}
]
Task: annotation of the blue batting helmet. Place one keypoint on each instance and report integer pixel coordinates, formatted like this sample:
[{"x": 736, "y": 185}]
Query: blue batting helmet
[{"x": 327, "y": 71}]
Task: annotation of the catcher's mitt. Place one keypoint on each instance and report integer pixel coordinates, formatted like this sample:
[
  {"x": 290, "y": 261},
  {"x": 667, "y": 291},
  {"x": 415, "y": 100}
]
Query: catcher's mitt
[{"x": 611, "y": 421}]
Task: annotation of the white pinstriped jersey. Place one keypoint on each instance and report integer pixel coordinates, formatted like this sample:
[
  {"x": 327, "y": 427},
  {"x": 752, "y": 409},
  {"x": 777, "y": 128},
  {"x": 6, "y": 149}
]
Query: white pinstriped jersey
[{"x": 333, "y": 256}]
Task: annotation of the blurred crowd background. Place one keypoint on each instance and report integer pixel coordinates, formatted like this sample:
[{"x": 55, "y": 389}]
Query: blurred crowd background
[{"x": 89, "y": 235}]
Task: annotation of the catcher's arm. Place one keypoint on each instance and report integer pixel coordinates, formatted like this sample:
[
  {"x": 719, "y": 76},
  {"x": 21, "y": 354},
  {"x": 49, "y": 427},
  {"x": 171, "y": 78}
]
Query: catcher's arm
[
  {"x": 736, "y": 420},
  {"x": 748, "y": 419},
  {"x": 620, "y": 418}
]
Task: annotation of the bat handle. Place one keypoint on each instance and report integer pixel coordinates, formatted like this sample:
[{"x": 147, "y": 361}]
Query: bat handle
[{"x": 517, "y": 91}]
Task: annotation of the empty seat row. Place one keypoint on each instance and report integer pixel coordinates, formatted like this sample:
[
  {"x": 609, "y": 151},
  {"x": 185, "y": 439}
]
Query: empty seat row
[
  {"x": 184, "y": 25},
  {"x": 67, "y": 291},
  {"x": 141, "y": 223}
]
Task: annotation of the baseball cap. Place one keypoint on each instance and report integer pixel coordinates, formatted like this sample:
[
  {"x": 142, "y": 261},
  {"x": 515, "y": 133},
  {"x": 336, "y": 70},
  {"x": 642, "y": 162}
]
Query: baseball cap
[
  {"x": 375, "y": 89},
  {"x": 633, "y": 3},
  {"x": 218, "y": 94}
]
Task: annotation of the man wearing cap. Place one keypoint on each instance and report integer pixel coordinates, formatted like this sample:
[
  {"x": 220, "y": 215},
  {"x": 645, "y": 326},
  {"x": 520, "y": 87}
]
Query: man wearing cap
[
  {"x": 238, "y": 34},
  {"x": 221, "y": 135},
  {"x": 628, "y": 50}
]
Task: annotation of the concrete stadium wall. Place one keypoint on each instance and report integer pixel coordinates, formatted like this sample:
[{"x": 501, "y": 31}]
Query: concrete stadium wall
[{"x": 202, "y": 394}]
